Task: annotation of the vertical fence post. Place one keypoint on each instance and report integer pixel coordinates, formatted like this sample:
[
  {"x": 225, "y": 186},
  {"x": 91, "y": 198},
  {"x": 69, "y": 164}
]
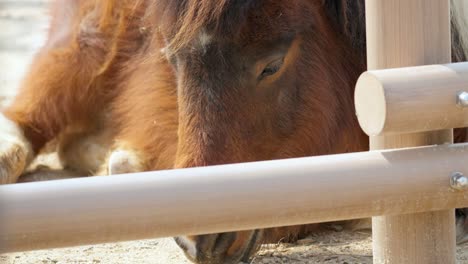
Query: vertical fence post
[{"x": 404, "y": 33}]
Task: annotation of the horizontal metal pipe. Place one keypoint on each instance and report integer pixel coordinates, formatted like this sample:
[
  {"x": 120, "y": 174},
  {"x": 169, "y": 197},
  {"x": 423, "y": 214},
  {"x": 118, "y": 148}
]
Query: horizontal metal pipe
[{"x": 230, "y": 197}]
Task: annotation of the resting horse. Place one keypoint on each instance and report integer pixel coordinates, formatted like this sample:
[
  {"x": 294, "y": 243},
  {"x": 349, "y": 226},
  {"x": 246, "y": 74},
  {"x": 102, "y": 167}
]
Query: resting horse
[{"x": 127, "y": 86}]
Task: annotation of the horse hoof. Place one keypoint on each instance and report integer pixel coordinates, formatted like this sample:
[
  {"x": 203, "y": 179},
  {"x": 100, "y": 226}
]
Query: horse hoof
[
  {"x": 15, "y": 151},
  {"x": 13, "y": 160},
  {"x": 124, "y": 161}
]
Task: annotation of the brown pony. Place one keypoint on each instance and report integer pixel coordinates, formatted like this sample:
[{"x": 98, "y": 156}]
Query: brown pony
[{"x": 142, "y": 85}]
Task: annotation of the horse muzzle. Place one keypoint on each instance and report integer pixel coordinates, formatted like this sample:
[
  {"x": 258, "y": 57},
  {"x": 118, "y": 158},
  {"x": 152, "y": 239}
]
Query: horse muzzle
[{"x": 222, "y": 248}]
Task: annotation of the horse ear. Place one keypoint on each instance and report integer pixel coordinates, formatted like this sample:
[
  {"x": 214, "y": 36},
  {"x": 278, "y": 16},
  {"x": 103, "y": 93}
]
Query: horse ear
[{"x": 348, "y": 17}]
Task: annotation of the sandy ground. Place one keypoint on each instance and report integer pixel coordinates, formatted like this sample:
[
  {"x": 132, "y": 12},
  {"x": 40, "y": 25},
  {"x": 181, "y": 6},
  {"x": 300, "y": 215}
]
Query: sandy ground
[{"x": 22, "y": 24}]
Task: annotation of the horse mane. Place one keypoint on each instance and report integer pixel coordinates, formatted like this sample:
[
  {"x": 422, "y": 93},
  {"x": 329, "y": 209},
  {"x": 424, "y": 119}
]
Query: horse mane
[
  {"x": 350, "y": 20},
  {"x": 348, "y": 17},
  {"x": 186, "y": 18},
  {"x": 459, "y": 30}
]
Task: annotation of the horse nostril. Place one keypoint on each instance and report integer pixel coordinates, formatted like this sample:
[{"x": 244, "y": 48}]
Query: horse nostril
[
  {"x": 223, "y": 248},
  {"x": 207, "y": 248},
  {"x": 246, "y": 243},
  {"x": 223, "y": 242}
]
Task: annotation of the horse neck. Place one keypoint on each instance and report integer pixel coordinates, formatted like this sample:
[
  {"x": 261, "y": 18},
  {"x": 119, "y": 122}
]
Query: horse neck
[
  {"x": 350, "y": 137},
  {"x": 343, "y": 64}
]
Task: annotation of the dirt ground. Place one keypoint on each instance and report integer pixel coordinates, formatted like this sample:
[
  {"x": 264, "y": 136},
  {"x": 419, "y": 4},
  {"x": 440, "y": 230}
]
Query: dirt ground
[{"x": 22, "y": 26}]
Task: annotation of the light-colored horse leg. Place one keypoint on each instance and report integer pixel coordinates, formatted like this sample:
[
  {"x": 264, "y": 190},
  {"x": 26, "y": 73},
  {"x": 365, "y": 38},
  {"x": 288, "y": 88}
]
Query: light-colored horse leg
[
  {"x": 123, "y": 161},
  {"x": 84, "y": 151},
  {"x": 95, "y": 153},
  {"x": 15, "y": 151},
  {"x": 79, "y": 153},
  {"x": 76, "y": 153}
]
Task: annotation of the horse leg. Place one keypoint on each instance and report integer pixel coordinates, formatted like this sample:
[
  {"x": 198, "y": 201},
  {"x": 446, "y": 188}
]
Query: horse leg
[
  {"x": 59, "y": 90},
  {"x": 85, "y": 152},
  {"x": 123, "y": 160},
  {"x": 15, "y": 151},
  {"x": 82, "y": 153}
]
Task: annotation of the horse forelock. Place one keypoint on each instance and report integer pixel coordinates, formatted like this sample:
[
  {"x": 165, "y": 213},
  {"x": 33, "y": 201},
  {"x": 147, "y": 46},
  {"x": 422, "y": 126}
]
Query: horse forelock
[
  {"x": 242, "y": 21},
  {"x": 185, "y": 20}
]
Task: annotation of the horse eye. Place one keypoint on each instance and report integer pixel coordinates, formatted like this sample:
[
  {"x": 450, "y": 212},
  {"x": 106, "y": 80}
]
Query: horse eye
[{"x": 272, "y": 68}]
